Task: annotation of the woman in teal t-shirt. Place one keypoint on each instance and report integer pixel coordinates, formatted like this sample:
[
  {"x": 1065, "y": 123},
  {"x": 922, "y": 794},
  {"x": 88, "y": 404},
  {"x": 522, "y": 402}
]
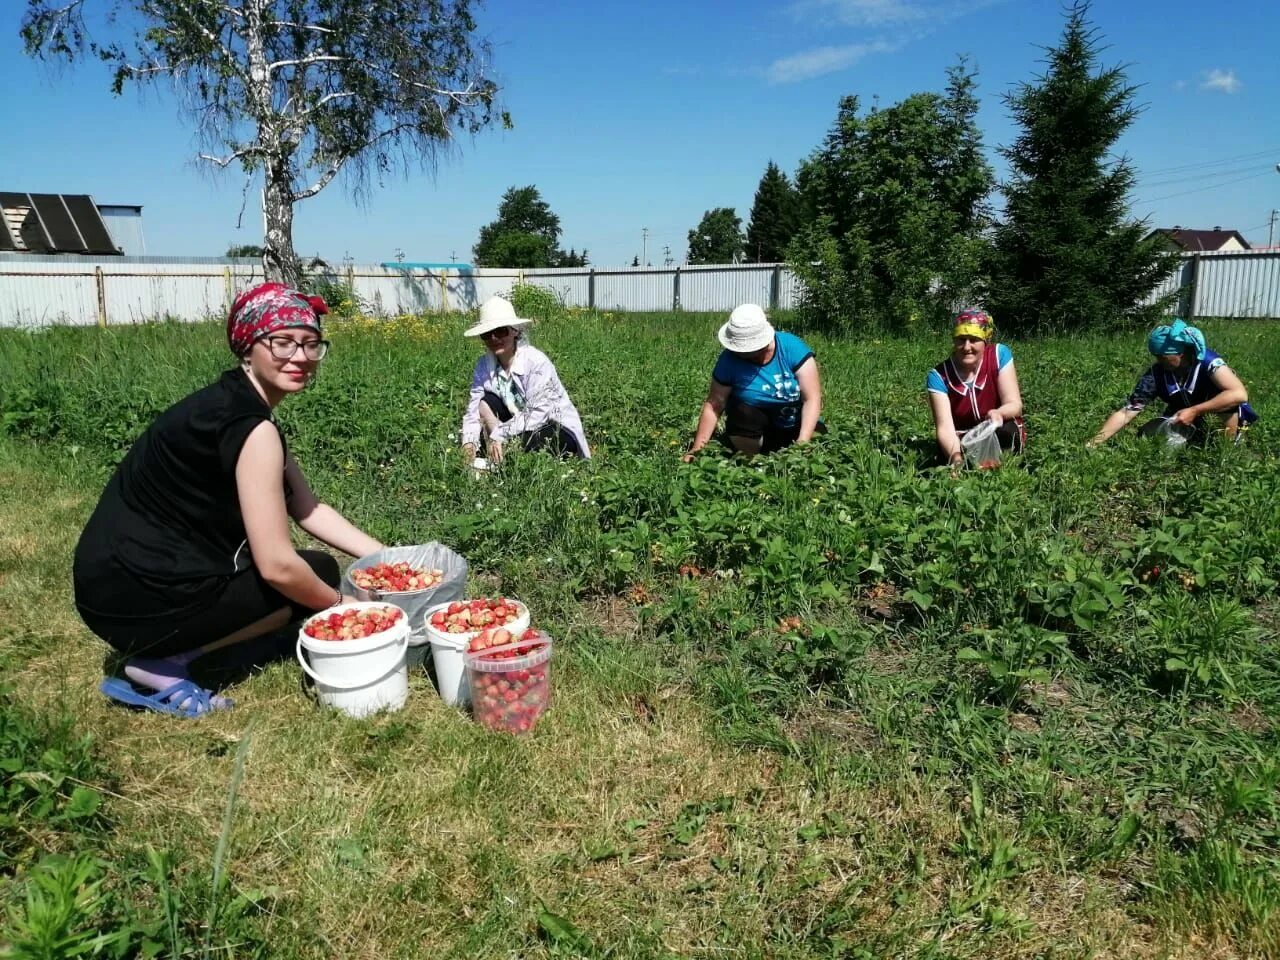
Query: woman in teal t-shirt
[{"x": 765, "y": 383}]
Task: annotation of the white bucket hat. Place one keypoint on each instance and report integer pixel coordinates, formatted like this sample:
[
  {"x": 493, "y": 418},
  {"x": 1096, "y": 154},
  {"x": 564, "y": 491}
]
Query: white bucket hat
[
  {"x": 747, "y": 331},
  {"x": 494, "y": 313}
]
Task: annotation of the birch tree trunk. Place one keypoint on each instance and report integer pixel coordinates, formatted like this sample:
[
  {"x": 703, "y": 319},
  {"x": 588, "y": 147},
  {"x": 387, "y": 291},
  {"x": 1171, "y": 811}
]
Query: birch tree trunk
[{"x": 279, "y": 261}]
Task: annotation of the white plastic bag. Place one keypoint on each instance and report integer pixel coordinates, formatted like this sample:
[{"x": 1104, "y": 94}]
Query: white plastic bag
[
  {"x": 428, "y": 556},
  {"x": 981, "y": 446},
  {"x": 1173, "y": 433}
]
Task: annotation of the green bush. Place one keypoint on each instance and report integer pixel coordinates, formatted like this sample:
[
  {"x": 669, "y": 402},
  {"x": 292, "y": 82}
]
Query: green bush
[{"x": 535, "y": 302}]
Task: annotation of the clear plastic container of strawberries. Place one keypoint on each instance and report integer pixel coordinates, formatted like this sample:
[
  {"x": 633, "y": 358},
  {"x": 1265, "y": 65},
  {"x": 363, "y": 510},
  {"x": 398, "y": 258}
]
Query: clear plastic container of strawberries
[{"x": 510, "y": 678}]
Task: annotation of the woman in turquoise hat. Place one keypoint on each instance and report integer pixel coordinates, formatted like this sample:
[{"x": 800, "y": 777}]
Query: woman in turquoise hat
[{"x": 1192, "y": 380}]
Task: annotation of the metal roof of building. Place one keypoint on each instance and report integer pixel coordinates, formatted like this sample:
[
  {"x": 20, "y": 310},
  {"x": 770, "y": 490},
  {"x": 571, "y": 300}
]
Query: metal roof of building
[{"x": 53, "y": 223}]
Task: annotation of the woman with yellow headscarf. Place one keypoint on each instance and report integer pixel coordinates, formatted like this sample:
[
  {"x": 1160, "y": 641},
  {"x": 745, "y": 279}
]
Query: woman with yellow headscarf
[{"x": 977, "y": 382}]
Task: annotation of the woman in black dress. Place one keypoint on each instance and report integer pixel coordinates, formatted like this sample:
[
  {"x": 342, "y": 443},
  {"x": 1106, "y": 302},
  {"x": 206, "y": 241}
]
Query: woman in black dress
[{"x": 188, "y": 551}]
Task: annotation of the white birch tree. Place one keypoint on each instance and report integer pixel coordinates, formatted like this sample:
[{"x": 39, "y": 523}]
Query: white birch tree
[{"x": 293, "y": 91}]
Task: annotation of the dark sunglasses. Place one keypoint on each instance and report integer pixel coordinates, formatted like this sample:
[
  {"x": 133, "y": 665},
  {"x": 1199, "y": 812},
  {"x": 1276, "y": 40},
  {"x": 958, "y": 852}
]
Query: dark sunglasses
[{"x": 497, "y": 334}]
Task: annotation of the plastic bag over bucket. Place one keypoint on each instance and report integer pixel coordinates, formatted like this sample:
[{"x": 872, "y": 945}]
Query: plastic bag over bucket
[
  {"x": 981, "y": 446},
  {"x": 428, "y": 556}
]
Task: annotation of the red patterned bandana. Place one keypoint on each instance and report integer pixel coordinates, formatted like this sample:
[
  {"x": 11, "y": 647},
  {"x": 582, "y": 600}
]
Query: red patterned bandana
[{"x": 267, "y": 308}]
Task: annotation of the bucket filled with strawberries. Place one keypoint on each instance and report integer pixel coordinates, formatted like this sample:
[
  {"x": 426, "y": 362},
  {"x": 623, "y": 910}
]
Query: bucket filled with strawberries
[
  {"x": 450, "y": 628},
  {"x": 414, "y": 578},
  {"x": 509, "y": 675},
  {"x": 355, "y": 653},
  {"x": 380, "y": 579}
]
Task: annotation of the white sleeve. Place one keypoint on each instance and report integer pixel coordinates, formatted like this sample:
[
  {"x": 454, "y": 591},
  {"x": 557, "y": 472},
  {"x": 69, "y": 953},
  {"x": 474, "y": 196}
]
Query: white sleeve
[{"x": 471, "y": 417}]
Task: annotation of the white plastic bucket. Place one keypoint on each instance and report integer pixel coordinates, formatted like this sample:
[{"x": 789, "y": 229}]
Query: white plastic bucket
[
  {"x": 447, "y": 651},
  {"x": 358, "y": 677}
]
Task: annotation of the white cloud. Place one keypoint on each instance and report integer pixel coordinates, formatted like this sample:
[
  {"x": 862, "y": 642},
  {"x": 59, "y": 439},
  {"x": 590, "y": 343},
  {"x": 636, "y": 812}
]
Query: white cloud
[
  {"x": 1224, "y": 81},
  {"x": 899, "y": 22},
  {"x": 821, "y": 60},
  {"x": 883, "y": 13},
  {"x": 865, "y": 13}
]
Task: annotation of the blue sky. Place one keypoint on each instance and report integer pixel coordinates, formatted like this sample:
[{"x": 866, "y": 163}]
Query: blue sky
[{"x": 645, "y": 115}]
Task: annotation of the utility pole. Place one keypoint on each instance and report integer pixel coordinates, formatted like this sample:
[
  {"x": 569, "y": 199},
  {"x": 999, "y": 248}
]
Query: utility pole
[
  {"x": 1271, "y": 223},
  {"x": 644, "y": 246},
  {"x": 453, "y": 256},
  {"x": 666, "y": 254}
]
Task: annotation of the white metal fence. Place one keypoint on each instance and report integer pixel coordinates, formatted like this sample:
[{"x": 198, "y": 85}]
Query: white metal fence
[{"x": 37, "y": 291}]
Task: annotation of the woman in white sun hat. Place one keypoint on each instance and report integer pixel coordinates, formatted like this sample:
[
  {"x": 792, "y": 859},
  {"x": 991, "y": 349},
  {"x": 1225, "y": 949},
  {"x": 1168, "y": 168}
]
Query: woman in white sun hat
[
  {"x": 765, "y": 383},
  {"x": 516, "y": 393}
]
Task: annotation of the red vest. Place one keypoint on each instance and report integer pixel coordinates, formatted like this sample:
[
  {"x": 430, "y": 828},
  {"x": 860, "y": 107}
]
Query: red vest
[{"x": 970, "y": 403}]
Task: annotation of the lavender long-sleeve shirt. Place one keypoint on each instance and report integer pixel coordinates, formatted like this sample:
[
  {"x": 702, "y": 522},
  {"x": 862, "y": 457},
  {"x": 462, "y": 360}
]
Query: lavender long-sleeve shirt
[{"x": 546, "y": 399}]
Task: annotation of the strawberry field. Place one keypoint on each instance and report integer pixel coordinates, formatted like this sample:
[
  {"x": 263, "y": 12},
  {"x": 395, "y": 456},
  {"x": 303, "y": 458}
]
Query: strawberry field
[{"x": 834, "y": 702}]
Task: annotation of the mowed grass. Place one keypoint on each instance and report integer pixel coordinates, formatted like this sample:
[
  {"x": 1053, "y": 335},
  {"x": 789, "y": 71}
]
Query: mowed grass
[{"x": 706, "y": 783}]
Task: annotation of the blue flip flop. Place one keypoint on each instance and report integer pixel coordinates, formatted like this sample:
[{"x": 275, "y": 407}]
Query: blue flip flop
[{"x": 184, "y": 699}]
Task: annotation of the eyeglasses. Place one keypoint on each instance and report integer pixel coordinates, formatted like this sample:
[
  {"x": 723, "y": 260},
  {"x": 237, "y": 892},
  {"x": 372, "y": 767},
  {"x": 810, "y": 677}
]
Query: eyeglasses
[
  {"x": 497, "y": 334},
  {"x": 283, "y": 348}
]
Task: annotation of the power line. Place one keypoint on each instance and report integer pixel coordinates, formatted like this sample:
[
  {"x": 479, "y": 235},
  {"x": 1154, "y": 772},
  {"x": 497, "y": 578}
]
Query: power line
[
  {"x": 1214, "y": 186},
  {"x": 1191, "y": 178},
  {"x": 1272, "y": 151},
  {"x": 1265, "y": 223}
]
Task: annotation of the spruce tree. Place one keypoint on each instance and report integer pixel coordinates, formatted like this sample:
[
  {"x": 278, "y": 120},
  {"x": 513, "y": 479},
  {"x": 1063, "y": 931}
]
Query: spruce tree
[
  {"x": 1067, "y": 255},
  {"x": 775, "y": 217}
]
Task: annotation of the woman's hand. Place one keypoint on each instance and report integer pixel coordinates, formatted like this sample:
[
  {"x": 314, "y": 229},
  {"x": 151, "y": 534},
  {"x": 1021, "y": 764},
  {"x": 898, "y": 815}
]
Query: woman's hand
[
  {"x": 1187, "y": 416},
  {"x": 996, "y": 417},
  {"x": 468, "y": 452},
  {"x": 495, "y": 452}
]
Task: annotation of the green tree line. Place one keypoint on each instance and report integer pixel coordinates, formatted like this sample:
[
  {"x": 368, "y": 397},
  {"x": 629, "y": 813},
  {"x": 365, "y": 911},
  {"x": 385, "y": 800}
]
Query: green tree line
[{"x": 889, "y": 222}]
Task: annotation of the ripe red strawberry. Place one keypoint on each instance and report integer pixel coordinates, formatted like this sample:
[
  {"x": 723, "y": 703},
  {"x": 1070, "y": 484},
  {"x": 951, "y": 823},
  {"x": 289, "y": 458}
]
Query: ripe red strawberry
[
  {"x": 397, "y": 577},
  {"x": 352, "y": 624},
  {"x": 471, "y": 615}
]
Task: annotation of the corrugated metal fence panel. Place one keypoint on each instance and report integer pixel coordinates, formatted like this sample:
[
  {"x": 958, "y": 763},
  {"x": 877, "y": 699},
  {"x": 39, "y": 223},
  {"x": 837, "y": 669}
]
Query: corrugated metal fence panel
[
  {"x": 1177, "y": 280},
  {"x": 142, "y": 292},
  {"x": 395, "y": 292},
  {"x": 137, "y": 297},
  {"x": 477, "y": 287},
  {"x": 571, "y": 285},
  {"x": 390, "y": 291},
  {"x": 788, "y": 291},
  {"x": 1239, "y": 285},
  {"x": 712, "y": 289},
  {"x": 637, "y": 289},
  {"x": 37, "y": 294}
]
